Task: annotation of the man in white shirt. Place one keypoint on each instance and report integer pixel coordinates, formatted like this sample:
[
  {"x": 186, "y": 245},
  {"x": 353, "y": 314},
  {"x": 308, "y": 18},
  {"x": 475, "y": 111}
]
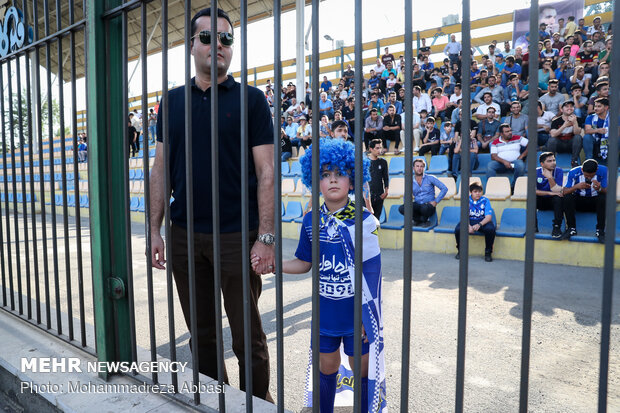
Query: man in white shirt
[
  {"x": 417, "y": 132},
  {"x": 506, "y": 153},
  {"x": 421, "y": 100},
  {"x": 453, "y": 49},
  {"x": 481, "y": 112}
]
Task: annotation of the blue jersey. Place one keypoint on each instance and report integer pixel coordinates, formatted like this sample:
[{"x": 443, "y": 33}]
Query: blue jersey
[
  {"x": 542, "y": 183},
  {"x": 479, "y": 209},
  {"x": 336, "y": 270},
  {"x": 576, "y": 176}
]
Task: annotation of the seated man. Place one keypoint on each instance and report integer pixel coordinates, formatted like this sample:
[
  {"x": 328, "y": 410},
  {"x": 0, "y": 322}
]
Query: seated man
[
  {"x": 481, "y": 112},
  {"x": 326, "y": 107},
  {"x": 597, "y": 131},
  {"x": 566, "y": 133},
  {"x": 480, "y": 220},
  {"x": 549, "y": 191},
  {"x": 506, "y": 153},
  {"x": 425, "y": 201},
  {"x": 488, "y": 129},
  {"x": 586, "y": 188}
]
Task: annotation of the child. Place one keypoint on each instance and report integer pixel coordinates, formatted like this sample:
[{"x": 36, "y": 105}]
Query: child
[
  {"x": 390, "y": 82},
  {"x": 447, "y": 135},
  {"x": 480, "y": 220},
  {"x": 430, "y": 139},
  {"x": 337, "y": 282}
]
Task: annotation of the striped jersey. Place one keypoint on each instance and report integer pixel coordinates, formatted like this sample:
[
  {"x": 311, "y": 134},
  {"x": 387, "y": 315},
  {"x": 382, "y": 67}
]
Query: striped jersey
[{"x": 576, "y": 176}]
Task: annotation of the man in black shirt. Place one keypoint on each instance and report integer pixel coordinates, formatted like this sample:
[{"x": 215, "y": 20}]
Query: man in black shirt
[
  {"x": 260, "y": 202},
  {"x": 379, "y": 177}
]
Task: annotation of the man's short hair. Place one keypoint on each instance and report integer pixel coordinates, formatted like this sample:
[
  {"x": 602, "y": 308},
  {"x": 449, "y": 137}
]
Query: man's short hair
[
  {"x": 602, "y": 101},
  {"x": 487, "y": 93},
  {"x": 566, "y": 47},
  {"x": 438, "y": 89},
  {"x": 458, "y": 85},
  {"x": 430, "y": 119},
  {"x": 510, "y": 57},
  {"x": 207, "y": 12},
  {"x": 423, "y": 111},
  {"x": 373, "y": 110},
  {"x": 339, "y": 123},
  {"x": 567, "y": 102},
  {"x": 599, "y": 86},
  {"x": 513, "y": 75},
  {"x": 516, "y": 102},
  {"x": 475, "y": 187},
  {"x": 420, "y": 160},
  {"x": 589, "y": 166},
  {"x": 416, "y": 87},
  {"x": 554, "y": 82},
  {"x": 543, "y": 156},
  {"x": 491, "y": 108},
  {"x": 576, "y": 86},
  {"x": 447, "y": 123},
  {"x": 375, "y": 142},
  {"x": 503, "y": 126}
]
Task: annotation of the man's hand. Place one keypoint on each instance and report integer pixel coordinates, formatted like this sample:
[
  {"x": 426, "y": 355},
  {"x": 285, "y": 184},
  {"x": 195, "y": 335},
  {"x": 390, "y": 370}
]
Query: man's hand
[
  {"x": 547, "y": 173},
  {"x": 471, "y": 229},
  {"x": 582, "y": 185},
  {"x": 433, "y": 203},
  {"x": 157, "y": 251},
  {"x": 262, "y": 256},
  {"x": 596, "y": 185},
  {"x": 507, "y": 165},
  {"x": 384, "y": 195}
]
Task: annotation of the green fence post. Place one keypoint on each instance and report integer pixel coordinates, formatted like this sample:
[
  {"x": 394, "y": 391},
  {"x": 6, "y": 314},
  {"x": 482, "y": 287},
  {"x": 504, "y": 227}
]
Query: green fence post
[{"x": 106, "y": 148}]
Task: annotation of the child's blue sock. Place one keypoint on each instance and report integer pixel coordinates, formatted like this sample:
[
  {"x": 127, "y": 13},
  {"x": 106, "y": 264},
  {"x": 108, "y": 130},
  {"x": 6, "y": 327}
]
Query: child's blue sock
[
  {"x": 364, "y": 394},
  {"x": 328, "y": 392}
]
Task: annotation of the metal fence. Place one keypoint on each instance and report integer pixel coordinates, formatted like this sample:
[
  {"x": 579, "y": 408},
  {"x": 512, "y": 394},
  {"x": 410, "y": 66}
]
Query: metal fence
[{"x": 25, "y": 256}]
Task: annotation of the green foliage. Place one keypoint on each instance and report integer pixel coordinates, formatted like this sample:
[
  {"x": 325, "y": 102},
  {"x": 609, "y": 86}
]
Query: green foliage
[{"x": 26, "y": 116}]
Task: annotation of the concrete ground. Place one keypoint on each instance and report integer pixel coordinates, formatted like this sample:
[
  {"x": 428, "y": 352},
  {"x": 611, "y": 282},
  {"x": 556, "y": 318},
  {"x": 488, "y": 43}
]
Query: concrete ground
[{"x": 565, "y": 335}]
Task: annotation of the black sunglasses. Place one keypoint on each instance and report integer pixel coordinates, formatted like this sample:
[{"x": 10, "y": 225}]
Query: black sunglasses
[{"x": 227, "y": 39}]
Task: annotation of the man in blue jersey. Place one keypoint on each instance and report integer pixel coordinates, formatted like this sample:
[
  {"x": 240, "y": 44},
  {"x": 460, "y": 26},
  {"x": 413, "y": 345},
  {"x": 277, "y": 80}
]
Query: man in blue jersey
[
  {"x": 586, "y": 189},
  {"x": 425, "y": 201},
  {"x": 480, "y": 220},
  {"x": 549, "y": 195}
]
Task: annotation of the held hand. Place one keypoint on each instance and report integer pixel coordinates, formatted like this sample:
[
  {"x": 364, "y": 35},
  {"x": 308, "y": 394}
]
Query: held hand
[
  {"x": 157, "y": 251},
  {"x": 433, "y": 203},
  {"x": 507, "y": 165},
  {"x": 383, "y": 195},
  {"x": 265, "y": 254},
  {"x": 596, "y": 185},
  {"x": 583, "y": 185},
  {"x": 364, "y": 337},
  {"x": 471, "y": 229}
]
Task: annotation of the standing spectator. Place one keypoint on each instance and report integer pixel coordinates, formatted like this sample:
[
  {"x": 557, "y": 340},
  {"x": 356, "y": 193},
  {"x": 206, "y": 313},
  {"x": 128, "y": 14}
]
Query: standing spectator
[
  {"x": 453, "y": 49},
  {"x": 430, "y": 141},
  {"x": 571, "y": 27},
  {"x": 586, "y": 190},
  {"x": 379, "y": 177},
  {"x": 349, "y": 75},
  {"x": 506, "y": 154},
  {"x": 566, "y": 133},
  {"x": 424, "y": 199},
  {"x": 373, "y": 127},
  {"x": 379, "y": 67},
  {"x": 387, "y": 57},
  {"x": 152, "y": 125},
  {"x": 135, "y": 122},
  {"x": 595, "y": 141},
  {"x": 480, "y": 220},
  {"x": 549, "y": 191},
  {"x": 424, "y": 50},
  {"x": 132, "y": 135},
  {"x": 261, "y": 202},
  {"x": 391, "y": 129}
]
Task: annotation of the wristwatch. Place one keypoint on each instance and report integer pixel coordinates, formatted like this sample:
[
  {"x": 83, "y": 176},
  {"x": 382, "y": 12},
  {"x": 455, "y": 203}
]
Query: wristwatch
[{"x": 267, "y": 239}]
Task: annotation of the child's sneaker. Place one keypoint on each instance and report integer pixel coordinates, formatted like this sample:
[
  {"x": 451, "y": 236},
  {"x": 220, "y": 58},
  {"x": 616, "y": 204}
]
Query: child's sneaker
[
  {"x": 570, "y": 232},
  {"x": 600, "y": 234},
  {"x": 556, "y": 233}
]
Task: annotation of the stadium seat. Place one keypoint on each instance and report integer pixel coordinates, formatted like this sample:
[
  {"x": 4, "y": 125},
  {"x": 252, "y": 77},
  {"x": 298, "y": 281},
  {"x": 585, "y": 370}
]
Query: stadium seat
[
  {"x": 520, "y": 191},
  {"x": 512, "y": 223},
  {"x": 294, "y": 171},
  {"x": 545, "y": 224},
  {"x": 397, "y": 165},
  {"x": 498, "y": 188},
  {"x": 288, "y": 186},
  {"x": 293, "y": 210},
  {"x": 2, "y": 197},
  {"x": 433, "y": 224},
  {"x": 84, "y": 201},
  {"x": 395, "y": 219},
  {"x": 586, "y": 227},
  {"x": 450, "y": 216},
  {"x": 71, "y": 200},
  {"x": 382, "y": 217},
  {"x": 300, "y": 151},
  {"x": 397, "y": 187},
  {"x": 47, "y": 177},
  {"x": 141, "y": 205},
  {"x": 562, "y": 160},
  {"x": 618, "y": 190},
  {"x": 18, "y": 178},
  {"x": 438, "y": 164},
  {"x": 133, "y": 204},
  {"x": 483, "y": 162},
  {"x": 132, "y": 174},
  {"x": 285, "y": 168},
  {"x": 58, "y": 199},
  {"x": 300, "y": 219},
  {"x": 152, "y": 153},
  {"x": 300, "y": 189},
  {"x": 282, "y": 211},
  {"x": 58, "y": 177},
  {"x": 70, "y": 176},
  {"x": 20, "y": 197},
  {"x": 472, "y": 179},
  {"x": 449, "y": 182},
  {"x": 139, "y": 174}
]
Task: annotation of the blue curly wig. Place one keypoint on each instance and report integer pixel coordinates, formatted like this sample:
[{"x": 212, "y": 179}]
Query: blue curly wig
[{"x": 334, "y": 153}]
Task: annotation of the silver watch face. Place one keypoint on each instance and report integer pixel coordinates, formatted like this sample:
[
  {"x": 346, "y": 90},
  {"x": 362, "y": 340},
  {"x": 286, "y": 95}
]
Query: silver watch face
[{"x": 267, "y": 239}]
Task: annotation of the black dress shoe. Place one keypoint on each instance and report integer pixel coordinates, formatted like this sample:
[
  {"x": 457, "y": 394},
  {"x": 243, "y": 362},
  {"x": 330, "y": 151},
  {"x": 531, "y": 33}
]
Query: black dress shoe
[
  {"x": 457, "y": 256},
  {"x": 487, "y": 257}
]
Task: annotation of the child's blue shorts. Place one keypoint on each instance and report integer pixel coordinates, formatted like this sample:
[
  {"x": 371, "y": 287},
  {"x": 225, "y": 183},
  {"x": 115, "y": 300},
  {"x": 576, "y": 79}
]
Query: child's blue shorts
[{"x": 330, "y": 344}]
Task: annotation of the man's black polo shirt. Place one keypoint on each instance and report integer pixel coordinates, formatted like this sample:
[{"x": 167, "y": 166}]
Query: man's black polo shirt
[{"x": 260, "y": 131}]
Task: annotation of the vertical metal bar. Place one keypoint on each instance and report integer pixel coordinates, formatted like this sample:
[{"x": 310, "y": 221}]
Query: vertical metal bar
[
  {"x": 4, "y": 179},
  {"x": 35, "y": 251},
  {"x": 408, "y": 196},
  {"x": 63, "y": 169},
  {"x": 6, "y": 193},
  {"x": 147, "y": 200},
  {"x": 126, "y": 195},
  {"x": 315, "y": 210},
  {"x": 14, "y": 188},
  {"x": 191, "y": 265},
  {"x": 247, "y": 326},
  {"x": 528, "y": 272},
  {"x": 465, "y": 174},
  {"x": 76, "y": 183},
  {"x": 50, "y": 132},
  {"x": 166, "y": 139},
  {"x": 39, "y": 109},
  {"x": 359, "y": 217},
  {"x": 22, "y": 146},
  {"x": 610, "y": 219},
  {"x": 215, "y": 191},
  {"x": 277, "y": 109}
]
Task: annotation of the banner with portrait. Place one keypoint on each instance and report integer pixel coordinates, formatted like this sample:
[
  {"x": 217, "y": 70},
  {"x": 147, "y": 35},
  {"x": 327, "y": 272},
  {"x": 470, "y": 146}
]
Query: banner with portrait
[{"x": 549, "y": 13}]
